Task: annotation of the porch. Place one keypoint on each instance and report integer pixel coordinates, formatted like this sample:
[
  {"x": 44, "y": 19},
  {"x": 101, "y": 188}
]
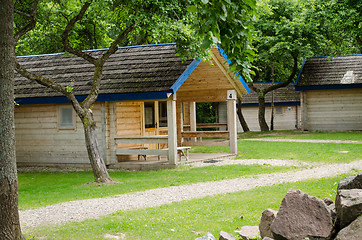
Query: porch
[
  {"x": 145, "y": 150},
  {"x": 153, "y": 163}
]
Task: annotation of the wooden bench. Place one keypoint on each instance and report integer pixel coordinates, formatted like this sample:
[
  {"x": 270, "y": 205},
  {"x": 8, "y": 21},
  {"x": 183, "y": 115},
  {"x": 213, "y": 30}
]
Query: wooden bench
[
  {"x": 183, "y": 151},
  {"x": 144, "y": 151}
]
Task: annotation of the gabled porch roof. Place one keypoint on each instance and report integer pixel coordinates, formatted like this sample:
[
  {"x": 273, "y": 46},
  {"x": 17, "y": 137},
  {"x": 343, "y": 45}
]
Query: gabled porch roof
[{"x": 133, "y": 73}]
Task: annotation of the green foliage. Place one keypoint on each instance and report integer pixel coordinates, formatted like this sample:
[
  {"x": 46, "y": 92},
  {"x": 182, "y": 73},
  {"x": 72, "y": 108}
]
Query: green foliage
[
  {"x": 195, "y": 26},
  {"x": 206, "y": 113},
  {"x": 230, "y": 24}
]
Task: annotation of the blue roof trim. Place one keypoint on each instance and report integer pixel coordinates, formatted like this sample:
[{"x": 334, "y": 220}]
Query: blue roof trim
[
  {"x": 269, "y": 104},
  {"x": 101, "y": 49},
  {"x": 237, "y": 74},
  {"x": 328, "y": 87},
  {"x": 101, "y": 98},
  {"x": 300, "y": 72},
  {"x": 185, "y": 75}
]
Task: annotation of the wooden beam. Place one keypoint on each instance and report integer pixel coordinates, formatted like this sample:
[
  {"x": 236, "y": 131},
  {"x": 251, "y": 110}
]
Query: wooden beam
[
  {"x": 223, "y": 134},
  {"x": 224, "y": 71},
  {"x": 232, "y": 127},
  {"x": 193, "y": 119},
  {"x": 211, "y": 125},
  {"x": 208, "y": 143},
  {"x": 172, "y": 130}
]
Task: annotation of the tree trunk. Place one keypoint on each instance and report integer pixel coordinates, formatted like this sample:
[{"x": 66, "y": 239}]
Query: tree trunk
[
  {"x": 243, "y": 123},
  {"x": 9, "y": 215},
  {"x": 99, "y": 168},
  {"x": 262, "y": 123}
]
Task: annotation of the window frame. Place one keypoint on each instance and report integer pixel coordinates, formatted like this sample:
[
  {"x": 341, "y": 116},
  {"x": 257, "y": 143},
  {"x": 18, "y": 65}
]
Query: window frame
[{"x": 61, "y": 126}]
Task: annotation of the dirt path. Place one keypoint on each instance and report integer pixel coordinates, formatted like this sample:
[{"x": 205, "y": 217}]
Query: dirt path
[{"x": 94, "y": 208}]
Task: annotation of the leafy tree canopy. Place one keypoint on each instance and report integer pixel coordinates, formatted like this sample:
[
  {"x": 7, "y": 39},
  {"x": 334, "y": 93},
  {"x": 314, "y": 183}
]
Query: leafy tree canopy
[{"x": 194, "y": 24}]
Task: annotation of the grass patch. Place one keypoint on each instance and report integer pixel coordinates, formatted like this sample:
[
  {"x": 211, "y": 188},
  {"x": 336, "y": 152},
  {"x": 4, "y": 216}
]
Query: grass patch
[
  {"x": 314, "y": 152},
  {"x": 189, "y": 219},
  {"x": 294, "y": 134},
  {"x": 46, "y": 188}
]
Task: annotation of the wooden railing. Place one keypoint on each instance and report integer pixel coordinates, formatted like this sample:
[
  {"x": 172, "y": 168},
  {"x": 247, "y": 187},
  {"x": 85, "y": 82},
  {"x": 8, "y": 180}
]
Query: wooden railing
[{"x": 159, "y": 139}]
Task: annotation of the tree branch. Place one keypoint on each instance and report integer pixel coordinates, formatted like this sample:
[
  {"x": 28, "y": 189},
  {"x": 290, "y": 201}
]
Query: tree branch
[
  {"x": 67, "y": 30},
  {"x": 114, "y": 46},
  {"x": 48, "y": 83},
  {"x": 31, "y": 25},
  {"x": 290, "y": 79}
]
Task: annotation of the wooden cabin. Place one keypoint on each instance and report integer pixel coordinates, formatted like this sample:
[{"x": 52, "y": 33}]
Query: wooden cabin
[
  {"x": 286, "y": 108},
  {"x": 331, "y": 93},
  {"x": 147, "y": 95}
]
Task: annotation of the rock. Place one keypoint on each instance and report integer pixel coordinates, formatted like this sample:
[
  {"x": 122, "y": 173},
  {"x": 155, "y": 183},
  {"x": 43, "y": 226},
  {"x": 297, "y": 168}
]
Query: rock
[
  {"x": 226, "y": 236},
  {"x": 328, "y": 201},
  {"x": 301, "y": 216},
  {"x": 332, "y": 208},
  {"x": 354, "y": 182},
  {"x": 207, "y": 236},
  {"x": 268, "y": 238},
  {"x": 249, "y": 232},
  {"x": 348, "y": 206},
  {"x": 352, "y": 231},
  {"x": 267, "y": 217}
]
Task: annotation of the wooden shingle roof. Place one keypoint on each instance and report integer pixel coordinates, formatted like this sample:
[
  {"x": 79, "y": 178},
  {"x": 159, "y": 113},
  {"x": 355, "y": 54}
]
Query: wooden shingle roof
[
  {"x": 140, "y": 69},
  {"x": 282, "y": 96},
  {"x": 331, "y": 72}
]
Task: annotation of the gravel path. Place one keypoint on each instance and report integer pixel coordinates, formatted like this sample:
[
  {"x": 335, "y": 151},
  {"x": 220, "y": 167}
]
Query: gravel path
[{"x": 94, "y": 208}]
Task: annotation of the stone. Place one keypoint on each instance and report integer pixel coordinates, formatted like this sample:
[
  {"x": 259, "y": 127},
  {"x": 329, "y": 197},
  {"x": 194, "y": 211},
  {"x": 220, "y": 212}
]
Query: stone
[
  {"x": 348, "y": 206},
  {"x": 353, "y": 182},
  {"x": 301, "y": 216},
  {"x": 332, "y": 208},
  {"x": 249, "y": 232},
  {"x": 267, "y": 217},
  {"x": 352, "y": 231},
  {"x": 268, "y": 238},
  {"x": 226, "y": 236},
  {"x": 328, "y": 201},
  {"x": 207, "y": 236}
]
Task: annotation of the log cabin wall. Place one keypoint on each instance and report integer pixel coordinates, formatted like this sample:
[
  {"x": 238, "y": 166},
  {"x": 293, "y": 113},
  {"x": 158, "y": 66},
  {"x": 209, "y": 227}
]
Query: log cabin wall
[
  {"x": 333, "y": 110},
  {"x": 40, "y": 141}
]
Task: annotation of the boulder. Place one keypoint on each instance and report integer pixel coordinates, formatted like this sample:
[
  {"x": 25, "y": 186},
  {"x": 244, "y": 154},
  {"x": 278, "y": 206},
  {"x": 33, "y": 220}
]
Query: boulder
[
  {"x": 301, "y": 216},
  {"x": 226, "y": 236},
  {"x": 267, "y": 217},
  {"x": 249, "y": 232},
  {"x": 353, "y": 182},
  {"x": 348, "y": 206},
  {"x": 207, "y": 236},
  {"x": 352, "y": 231},
  {"x": 268, "y": 238}
]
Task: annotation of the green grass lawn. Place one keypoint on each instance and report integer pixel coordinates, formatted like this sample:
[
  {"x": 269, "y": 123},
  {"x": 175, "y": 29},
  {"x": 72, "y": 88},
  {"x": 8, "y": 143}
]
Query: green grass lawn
[
  {"x": 294, "y": 134},
  {"x": 45, "y": 188},
  {"x": 313, "y": 152},
  {"x": 189, "y": 219}
]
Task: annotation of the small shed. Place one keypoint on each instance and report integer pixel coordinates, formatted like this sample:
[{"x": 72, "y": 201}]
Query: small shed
[
  {"x": 147, "y": 94},
  {"x": 286, "y": 108},
  {"x": 331, "y": 93}
]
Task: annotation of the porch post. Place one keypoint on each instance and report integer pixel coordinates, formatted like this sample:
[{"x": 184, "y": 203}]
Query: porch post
[
  {"x": 172, "y": 130},
  {"x": 231, "y": 116},
  {"x": 193, "y": 119}
]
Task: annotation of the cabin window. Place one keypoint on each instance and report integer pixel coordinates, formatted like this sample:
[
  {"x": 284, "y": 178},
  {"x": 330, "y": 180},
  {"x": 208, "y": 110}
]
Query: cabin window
[
  {"x": 162, "y": 114},
  {"x": 66, "y": 118},
  {"x": 279, "y": 110},
  {"x": 149, "y": 115}
]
